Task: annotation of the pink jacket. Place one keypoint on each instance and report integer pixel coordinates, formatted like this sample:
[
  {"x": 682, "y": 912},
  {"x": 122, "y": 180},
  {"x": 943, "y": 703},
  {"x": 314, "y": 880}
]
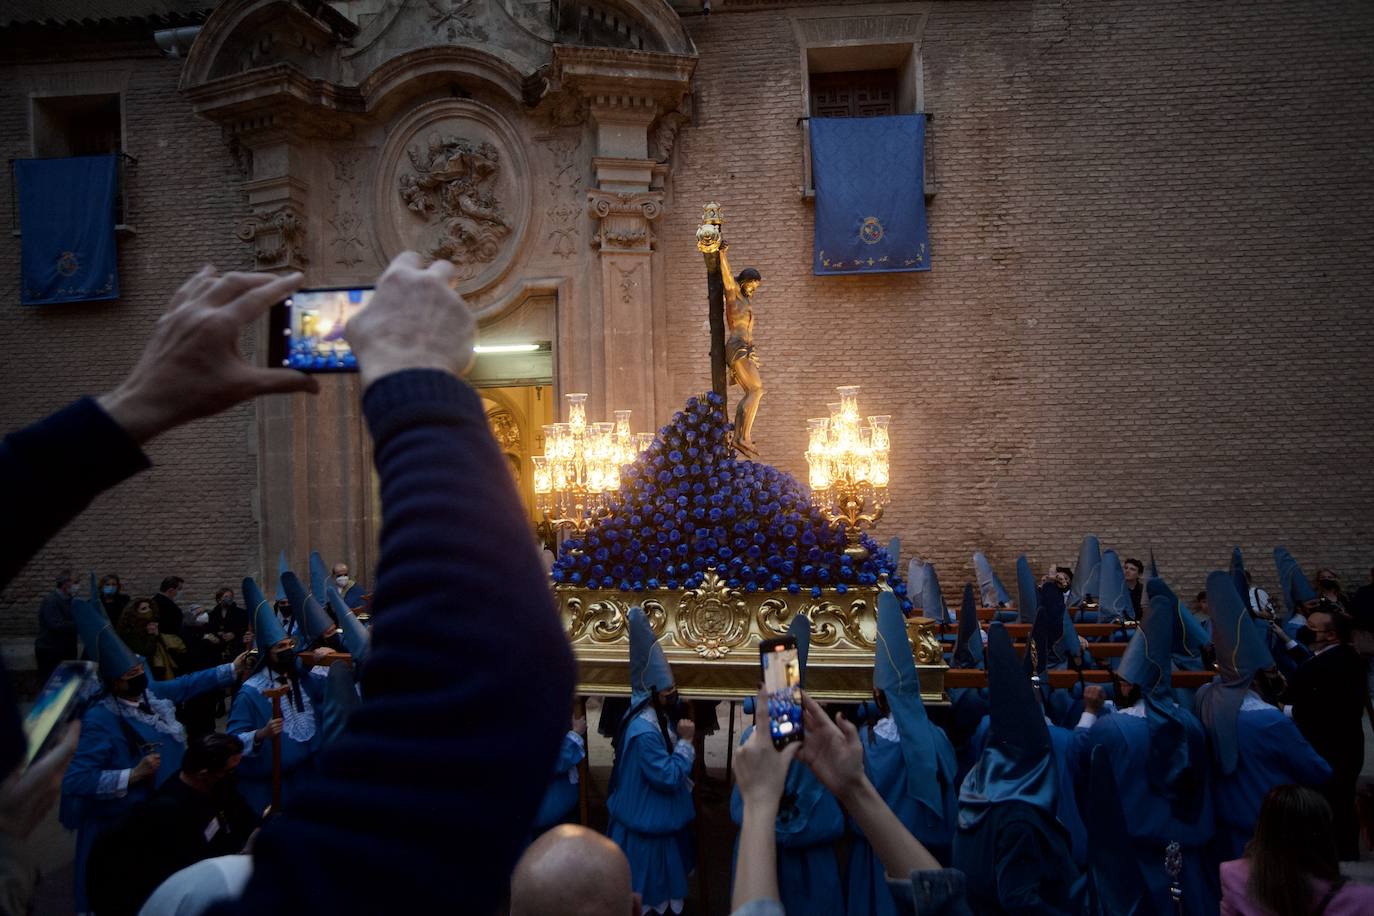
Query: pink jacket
[{"x": 1351, "y": 900}]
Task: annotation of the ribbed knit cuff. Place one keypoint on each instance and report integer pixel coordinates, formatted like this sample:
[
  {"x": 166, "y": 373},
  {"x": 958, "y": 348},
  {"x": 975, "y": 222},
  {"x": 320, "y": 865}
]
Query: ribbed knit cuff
[{"x": 418, "y": 396}]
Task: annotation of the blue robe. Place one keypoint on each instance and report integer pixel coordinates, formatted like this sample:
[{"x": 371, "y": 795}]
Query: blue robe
[
  {"x": 886, "y": 769},
  {"x": 562, "y": 795},
  {"x": 1272, "y": 752},
  {"x": 1151, "y": 820},
  {"x": 354, "y": 597},
  {"x": 1071, "y": 758},
  {"x": 92, "y": 800},
  {"x": 651, "y": 810},
  {"x": 301, "y": 736},
  {"x": 809, "y": 824}
]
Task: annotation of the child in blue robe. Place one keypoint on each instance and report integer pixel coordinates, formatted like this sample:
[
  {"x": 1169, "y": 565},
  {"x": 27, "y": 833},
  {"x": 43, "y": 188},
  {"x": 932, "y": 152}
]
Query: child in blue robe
[{"x": 563, "y": 793}]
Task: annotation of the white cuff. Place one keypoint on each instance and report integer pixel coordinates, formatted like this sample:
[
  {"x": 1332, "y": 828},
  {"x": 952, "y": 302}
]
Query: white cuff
[
  {"x": 113, "y": 784},
  {"x": 581, "y": 742},
  {"x": 685, "y": 750},
  {"x": 1087, "y": 719},
  {"x": 249, "y": 740},
  {"x": 1288, "y": 710}
]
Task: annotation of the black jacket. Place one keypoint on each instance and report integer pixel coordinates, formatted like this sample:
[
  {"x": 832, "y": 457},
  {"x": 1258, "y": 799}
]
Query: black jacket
[{"x": 1327, "y": 692}]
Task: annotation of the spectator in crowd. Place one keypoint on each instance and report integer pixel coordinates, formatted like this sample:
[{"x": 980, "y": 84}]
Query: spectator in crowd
[
  {"x": 1255, "y": 747},
  {"x": 650, "y": 790},
  {"x": 1133, "y": 570},
  {"x": 351, "y": 590},
  {"x": 1327, "y": 695},
  {"x": 573, "y": 871},
  {"x": 125, "y": 736},
  {"x": 112, "y": 596},
  {"x": 139, "y": 628},
  {"x": 1290, "y": 864},
  {"x": 1329, "y": 588},
  {"x": 169, "y": 615},
  {"x": 56, "y": 640},
  {"x": 196, "y": 814},
  {"x": 1063, "y": 577},
  {"x": 228, "y": 623},
  {"x": 1202, "y": 612}
]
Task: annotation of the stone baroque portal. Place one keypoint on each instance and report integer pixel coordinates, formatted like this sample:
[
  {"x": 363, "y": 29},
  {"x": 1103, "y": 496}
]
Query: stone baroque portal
[{"x": 455, "y": 168}]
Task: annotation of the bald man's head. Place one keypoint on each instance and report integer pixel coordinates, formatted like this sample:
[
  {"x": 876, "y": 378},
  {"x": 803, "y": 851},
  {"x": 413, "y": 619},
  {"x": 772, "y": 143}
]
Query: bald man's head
[{"x": 572, "y": 871}]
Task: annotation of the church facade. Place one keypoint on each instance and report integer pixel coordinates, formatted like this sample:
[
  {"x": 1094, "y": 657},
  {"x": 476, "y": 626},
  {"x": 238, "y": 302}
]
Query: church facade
[{"x": 1147, "y": 314}]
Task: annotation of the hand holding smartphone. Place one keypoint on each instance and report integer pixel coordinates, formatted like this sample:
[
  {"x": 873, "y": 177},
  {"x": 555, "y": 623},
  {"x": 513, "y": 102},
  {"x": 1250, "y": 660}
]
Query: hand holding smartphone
[
  {"x": 307, "y": 329},
  {"x": 60, "y": 701},
  {"x": 782, "y": 682}
]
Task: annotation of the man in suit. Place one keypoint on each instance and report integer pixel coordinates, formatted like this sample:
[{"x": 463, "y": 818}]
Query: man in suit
[{"x": 1327, "y": 695}]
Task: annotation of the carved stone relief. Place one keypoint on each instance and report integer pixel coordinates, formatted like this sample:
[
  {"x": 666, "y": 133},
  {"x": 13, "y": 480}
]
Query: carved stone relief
[
  {"x": 565, "y": 187},
  {"x": 278, "y": 236},
  {"x": 455, "y": 19},
  {"x": 628, "y": 284},
  {"x": 345, "y": 187},
  {"x": 625, "y": 218},
  {"x": 453, "y": 182}
]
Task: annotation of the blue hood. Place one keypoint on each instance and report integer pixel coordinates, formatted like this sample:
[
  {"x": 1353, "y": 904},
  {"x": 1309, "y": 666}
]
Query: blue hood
[
  {"x": 267, "y": 631},
  {"x": 932, "y": 599},
  {"x": 1087, "y": 574},
  {"x": 1116, "y": 886},
  {"x": 356, "y": 638},
  {"x": 894, "y": 673},
  {"x": 310, "y": 617},
  {"x": 1018, "y": 763},
  {"x": 319, "y": 578},
  {"x": 1115, "y": 599},
  {"x": 282, "y": 567},
  {"x": 111, "y": 655},
  {"x": 649, "y": 671},
  {"x": 968, "y": 648},
  {"x": 993, "y": 593},
  {"x": 1240, "y": 653},
  {"x": 1027, "y": 595},
  {"x": 800, "y": 630},
  {"x": 1293, "y": 583},
  {"x": 1148, "y": 663}
]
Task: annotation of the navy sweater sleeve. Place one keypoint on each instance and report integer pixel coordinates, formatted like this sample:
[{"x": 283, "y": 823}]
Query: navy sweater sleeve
[
  {"x": 423, "y": 803},
  {"x": 49, "y": 472}
]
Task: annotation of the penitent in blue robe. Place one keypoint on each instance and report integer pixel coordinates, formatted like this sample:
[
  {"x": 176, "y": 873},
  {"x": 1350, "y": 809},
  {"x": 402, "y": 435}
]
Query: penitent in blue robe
[
  {"x": 562, "y": 795},
  {"x": 1152, "y": 820},
  {"x": 809, "y": 824},
  {"x": 1071, "y": 759},
  {"x": 886, "y": 769},
  {"x": 300, "y": 738},
  {"x": 96, "y": 792},
  {"x": 1272, "y": 752},
  {"x": 651, "y": 810}
]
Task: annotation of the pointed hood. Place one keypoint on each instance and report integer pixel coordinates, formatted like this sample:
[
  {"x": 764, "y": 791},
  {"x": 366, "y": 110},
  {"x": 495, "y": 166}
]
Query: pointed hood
[
  {"x": 800, "y": 630},
  {"x": 282, "y": 567},
  {"x": 1148, "y": 662},
  {"x": 1027, "y": 596},
  {"x": 1293, "y": 583},
  {"x": 310, "y": 617},
  {"x": 932, "y": 599},
  {"x": 1017, "y": 764},
  {"x": 1115, "y": 884},
  {"x": 1087, "y": 572},
  {"x": 649, "y": 671},
  {"x": 894, "y": 673},
  {"x": 1238, "y": 578},
  {"x": 916, "y": 572},
  {"x": 1115, "y": 599},
  {"x": 1045, "y": 633},
  {"x": 267, "y": 631},
  {"x": 98, "y": 635},
  {"x": 1189, "y": 635},
  {"x": 894, "y": 550},
  {"x": 1154, "y": 569},
  {"x": 319, "y": 579},
  {"x": 1240, "y": 653},
  {"x": 1068, "y": 645},
  {"x": 993, "y": 593},
  {"x": 968, "y": 648},
  {"x": 355, "y": 636}
]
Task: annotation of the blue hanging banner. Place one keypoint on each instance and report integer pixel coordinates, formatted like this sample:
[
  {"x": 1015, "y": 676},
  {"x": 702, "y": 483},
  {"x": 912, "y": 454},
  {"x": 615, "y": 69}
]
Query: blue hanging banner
[
  {"x": 66, "y": 218},
  {"x": 870, "y": 195}
]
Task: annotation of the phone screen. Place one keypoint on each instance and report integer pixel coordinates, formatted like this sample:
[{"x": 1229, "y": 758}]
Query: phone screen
[
  {"x": 782, "y": 681},
  {"x": 55, "y": 704},
  {"x": 309, "y": 327}
]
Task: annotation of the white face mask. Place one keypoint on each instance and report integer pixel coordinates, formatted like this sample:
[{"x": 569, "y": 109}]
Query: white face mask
[
  {"x": 202, "y": 618},
  {"x": 341, "y": 580}
]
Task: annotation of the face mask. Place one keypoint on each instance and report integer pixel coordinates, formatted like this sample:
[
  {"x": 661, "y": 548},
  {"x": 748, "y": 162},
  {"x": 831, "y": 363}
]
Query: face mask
[
  {"x": 341, "y": 580},
  {"x": 202, "y": 618},
  {"x": 137, "y": 685},
  {"x": 285, "y": 663},
  {"x": 1327, "y": 585},
  {"x": 108, "y": 590}
]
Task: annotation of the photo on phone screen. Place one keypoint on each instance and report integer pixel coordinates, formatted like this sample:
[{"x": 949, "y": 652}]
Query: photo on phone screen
[
  {"x": 56, "y": 704},
  {"x": 308, "y": 329},
  {"x": 782, "y": 681}
]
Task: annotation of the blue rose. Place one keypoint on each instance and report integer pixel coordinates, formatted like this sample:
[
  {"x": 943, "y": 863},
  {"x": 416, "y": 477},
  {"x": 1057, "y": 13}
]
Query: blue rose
[
  {"x": 793, "y": 588},
  {"x": 815, "y": 591}
]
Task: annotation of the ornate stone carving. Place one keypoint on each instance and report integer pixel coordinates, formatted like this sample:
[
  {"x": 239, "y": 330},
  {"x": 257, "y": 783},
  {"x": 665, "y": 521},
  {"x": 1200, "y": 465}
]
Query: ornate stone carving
[
  {"x": 625, "y": 217},
  {"x": 664, "y": 134},
  {"x": 628, "y": 284},
  {"x": 453, "y": 185},
  {"x": 455, "y": 18},
  {"x": 348, "y": 247},
  {"x": 565, "y": 182},
  {"x": 712, "y": 619},
  {"x": 279, "y": 236},
  {"x": 505, "y": 430}
]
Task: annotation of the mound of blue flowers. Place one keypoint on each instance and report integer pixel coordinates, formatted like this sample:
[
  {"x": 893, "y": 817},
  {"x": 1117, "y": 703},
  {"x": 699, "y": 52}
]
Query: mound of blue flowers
[{"x": 688, "y": 505}]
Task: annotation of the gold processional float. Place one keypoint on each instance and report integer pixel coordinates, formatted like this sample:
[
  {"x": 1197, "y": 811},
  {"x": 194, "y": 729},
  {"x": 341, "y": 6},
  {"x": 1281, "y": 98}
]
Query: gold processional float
[{"x": 723, "y": 551}]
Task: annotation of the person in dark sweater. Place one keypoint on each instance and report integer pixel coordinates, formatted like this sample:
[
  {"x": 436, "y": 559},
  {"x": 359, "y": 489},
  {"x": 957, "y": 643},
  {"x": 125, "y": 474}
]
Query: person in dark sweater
[
  {"x": 112, "y": 597},
  {"x": 56, "y": 627},
  {"x": 169, "y": 616}
]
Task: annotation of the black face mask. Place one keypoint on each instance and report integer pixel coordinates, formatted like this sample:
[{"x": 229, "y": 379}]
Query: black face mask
[
  {"x": 1328, "y": 585},
  {"x": 1305, "y": 636},
  {"x": 136, "y": 686},
  {"x": 285, "y": 663}
]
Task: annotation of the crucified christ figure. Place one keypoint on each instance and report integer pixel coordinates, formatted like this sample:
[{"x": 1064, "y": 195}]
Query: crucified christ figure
[{"x": 740, "y": 355}]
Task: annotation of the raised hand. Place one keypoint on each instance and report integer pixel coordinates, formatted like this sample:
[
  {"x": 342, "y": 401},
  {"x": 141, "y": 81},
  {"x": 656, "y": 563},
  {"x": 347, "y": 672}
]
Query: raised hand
[{"x": 832, "y": 749}]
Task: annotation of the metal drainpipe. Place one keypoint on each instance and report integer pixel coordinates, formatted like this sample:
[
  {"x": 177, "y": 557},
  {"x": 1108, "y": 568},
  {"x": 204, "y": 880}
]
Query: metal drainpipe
[{"x": 176, "y": 42}]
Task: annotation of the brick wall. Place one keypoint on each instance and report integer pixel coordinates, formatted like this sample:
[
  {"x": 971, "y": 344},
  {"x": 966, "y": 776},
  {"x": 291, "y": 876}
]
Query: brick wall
[
  {"x": 191, "y": 515},
  {"x": 1149, "y": 314}
]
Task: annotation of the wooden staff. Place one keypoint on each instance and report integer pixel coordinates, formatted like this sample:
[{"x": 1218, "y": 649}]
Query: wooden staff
[{"x": 275, "y": 694}]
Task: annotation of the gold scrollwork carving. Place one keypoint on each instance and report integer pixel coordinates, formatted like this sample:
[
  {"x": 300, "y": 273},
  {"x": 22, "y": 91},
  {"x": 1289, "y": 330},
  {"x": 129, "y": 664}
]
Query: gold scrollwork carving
[
  {"x": 773, "y": 618},
  {"x": 829, "y": 620},
  {"x": 712, "y": 619},
  {"x": 604, "y": 619},
  {"x": 927, "y": 646}
]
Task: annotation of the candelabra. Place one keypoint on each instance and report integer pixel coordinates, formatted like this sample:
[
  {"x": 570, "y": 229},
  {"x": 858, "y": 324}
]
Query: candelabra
[
  {"x": 580, "y": 469},
  {"x": 849, "y": 467}
]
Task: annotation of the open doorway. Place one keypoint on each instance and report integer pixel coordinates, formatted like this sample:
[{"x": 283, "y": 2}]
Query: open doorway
[{"x": 517, "y": 416}]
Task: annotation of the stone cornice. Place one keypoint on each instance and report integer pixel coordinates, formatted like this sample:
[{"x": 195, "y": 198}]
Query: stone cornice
[{"x": 613, "y": 72}]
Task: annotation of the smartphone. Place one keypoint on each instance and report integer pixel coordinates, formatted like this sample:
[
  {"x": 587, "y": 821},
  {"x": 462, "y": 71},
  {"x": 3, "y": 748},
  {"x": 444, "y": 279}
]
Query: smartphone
[
  {"x": 61, "y": 700},
  {"x": 782, "y": 681},
  {"x": 306, "y": 329}
]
